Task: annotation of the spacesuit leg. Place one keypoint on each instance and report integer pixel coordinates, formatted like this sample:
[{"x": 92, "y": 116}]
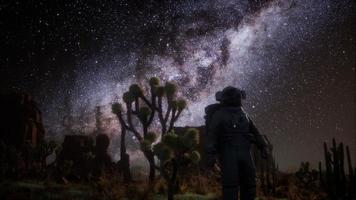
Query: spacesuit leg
[
  {"x": 247, "y": 178},
  {"x": 229, "y": 171}
]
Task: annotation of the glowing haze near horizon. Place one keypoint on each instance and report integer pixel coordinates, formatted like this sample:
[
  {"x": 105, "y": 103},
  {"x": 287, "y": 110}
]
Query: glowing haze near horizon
[{"x": 299, "y": 83}]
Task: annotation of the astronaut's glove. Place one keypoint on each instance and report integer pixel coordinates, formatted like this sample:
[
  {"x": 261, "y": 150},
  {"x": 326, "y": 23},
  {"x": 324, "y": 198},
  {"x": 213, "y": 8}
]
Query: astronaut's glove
[
  {"x": 217, "y": 167},
  {"x": 264, "y": 153}
]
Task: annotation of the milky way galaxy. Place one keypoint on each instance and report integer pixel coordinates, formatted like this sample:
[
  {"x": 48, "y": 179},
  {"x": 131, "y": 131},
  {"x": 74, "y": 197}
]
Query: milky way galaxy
[{"x": 294, "y": 58}]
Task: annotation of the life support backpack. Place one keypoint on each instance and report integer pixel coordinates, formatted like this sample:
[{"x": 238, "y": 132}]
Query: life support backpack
[{"x": 209, "y": 111}]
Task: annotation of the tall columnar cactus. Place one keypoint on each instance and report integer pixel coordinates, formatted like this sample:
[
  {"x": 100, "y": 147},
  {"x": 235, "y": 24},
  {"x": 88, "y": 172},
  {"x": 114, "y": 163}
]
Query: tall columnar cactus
[
  {"x": 336, "y": 183},
  {"x": 336, "y": 164},
  {"x": 352, "y": 175},
  {"x": 162, "y": 100},
  {"x": 174, "y": 152},
  {"x": 328, "y": 169},
  {"x": 322, "y": 183},
  {"x": 342, "y": 176}
]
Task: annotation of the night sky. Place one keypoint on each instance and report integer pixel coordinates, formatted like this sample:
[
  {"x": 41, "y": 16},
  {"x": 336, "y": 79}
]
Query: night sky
[{"x": 296, "y": 59}]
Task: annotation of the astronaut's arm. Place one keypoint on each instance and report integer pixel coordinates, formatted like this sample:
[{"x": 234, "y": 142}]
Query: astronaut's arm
[{"x": 259, "y": 140}]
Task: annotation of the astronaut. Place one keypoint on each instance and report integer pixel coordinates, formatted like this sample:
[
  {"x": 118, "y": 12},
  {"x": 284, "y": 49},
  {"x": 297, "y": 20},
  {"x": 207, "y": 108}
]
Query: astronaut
[{"x": 230, "y": 134}]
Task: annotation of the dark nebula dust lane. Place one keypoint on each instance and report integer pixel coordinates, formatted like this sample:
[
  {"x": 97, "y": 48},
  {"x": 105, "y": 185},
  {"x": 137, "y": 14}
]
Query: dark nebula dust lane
[{"x": 294, "y": 58}]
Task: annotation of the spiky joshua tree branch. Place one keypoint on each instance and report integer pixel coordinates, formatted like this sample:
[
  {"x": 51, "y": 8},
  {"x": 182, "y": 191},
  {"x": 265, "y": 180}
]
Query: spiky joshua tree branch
[{"x": 143, "y": 107}]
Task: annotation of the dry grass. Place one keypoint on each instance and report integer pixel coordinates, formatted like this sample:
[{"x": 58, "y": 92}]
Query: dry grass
[
  {"x": 193, "y": 185},
  {"x": 201, "y": 182},
  {"x": 298, "y": 191}
]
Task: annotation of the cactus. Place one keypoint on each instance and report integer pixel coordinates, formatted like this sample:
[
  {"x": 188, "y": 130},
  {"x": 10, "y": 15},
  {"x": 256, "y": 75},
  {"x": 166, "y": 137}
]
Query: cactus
[
  {"x": 192, "y": 135},
  {"x": 336, "y": 164},
  {"x": 128, "y": 97},
  {"x": 159, "y": 91},
  {"x": 124, "y": 162},
  {"x": 349, "y": 161},
  {"x": 154, "y": 81},
  {"x": 144, "y": 114},
  {"x": 181, "y": 104},
  {"x": 163, "y": 152},
  {"x": 322, "y": 183},
  {"x": 342, "y": 176},
  {"x": 151, "y": 136},
  {"x": 336, "y": 183},
  {"x": 170, "y": 89},
  {"x": 352, "y": 175},
  {"x": 170, "y": 140},
  {"x": 145, "y": 145},
  {"x": 135, "y": 90},
  {"x": 174, "y": 152},
  {"x": 173, "y": 104},
  {"x": 116, "y": 108},
  {"x": 143, "y": 108}
]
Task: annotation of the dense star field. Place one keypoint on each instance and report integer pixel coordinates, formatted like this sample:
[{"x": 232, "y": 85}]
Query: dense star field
[{"x": 294, "y": 58}]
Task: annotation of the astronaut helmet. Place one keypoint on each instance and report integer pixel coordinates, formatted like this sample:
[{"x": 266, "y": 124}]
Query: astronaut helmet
[{"x": 230, "y": 94}]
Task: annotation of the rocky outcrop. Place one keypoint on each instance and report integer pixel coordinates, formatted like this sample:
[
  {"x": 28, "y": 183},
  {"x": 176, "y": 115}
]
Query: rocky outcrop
[{"x": 21, "y": 120}]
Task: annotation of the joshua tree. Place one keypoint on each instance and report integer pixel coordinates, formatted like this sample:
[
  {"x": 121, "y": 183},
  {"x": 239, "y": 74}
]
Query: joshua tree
[
  {"x": 175, "y": 151},
  {"x": 124, "y": 162},
  {"x": 162, "y": 100}
]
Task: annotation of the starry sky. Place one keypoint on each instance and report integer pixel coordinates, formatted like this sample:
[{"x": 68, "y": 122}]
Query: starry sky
[{"x": 294, "y": 58}]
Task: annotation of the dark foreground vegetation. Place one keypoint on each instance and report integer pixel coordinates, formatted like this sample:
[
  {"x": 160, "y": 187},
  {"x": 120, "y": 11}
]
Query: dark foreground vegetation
[{"x": 80, "y": 167}]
